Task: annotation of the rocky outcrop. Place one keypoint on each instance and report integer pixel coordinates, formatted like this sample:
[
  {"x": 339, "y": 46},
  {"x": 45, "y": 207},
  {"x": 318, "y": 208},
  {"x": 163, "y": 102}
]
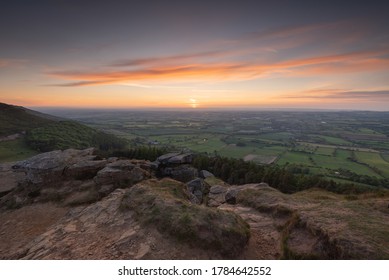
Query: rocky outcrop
[
  {"x": 165, "y": 205},
  {"x": 121, "y": 173},
  {"x": 199, "y": 188},
  {"x": 205, "y": 174},
  {"x": 176, "y": 166},
  {"x": 71, "y": 176},
  {"x": 183, "y": 173},
  {"x": 216, "y": 196},
  {"x": 54, "y": 166},
  {"x": 175, "y": 158},
  {"x": 115, "y": 211}
]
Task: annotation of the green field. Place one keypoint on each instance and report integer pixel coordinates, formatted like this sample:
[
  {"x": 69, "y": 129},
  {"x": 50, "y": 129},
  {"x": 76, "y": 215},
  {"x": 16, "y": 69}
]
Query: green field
[
  {"x": 328, "y": 164},
  {"x": 323, "y": 142},
  {"x": 325, "y": 151},
  {"x": 341, "y": 162},
  {"x": 385, "y": 156},
  {"x": 15, "y": 150},
  {"x": 291, "y": 157},
  {"x": 375, "y": 160},
  {"x": 335, "y": 140}
]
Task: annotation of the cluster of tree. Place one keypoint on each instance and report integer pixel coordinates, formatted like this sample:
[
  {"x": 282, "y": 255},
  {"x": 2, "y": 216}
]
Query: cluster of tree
[
  {"x": 237, "y": 171},
  {"x": 141, "y": 152}
]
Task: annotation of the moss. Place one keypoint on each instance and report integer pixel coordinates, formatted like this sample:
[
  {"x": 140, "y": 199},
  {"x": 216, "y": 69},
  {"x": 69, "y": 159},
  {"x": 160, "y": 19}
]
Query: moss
[{"x": 165, "y": 205}]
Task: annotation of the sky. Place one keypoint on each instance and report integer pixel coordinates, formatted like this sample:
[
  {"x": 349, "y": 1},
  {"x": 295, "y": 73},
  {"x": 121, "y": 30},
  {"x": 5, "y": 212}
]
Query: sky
[{"x": 195, "y": 54}]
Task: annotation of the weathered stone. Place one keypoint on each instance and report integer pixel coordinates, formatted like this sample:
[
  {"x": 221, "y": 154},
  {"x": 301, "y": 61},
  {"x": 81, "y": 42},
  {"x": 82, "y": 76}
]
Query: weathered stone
[
  {"x": 181, "y": 159},
  {"x": 205, "y": 174},
  {"x": 105, "y": 189},
  {"x": 216, "y": 196},
  {"x": 120, "y": 175},
  {"x": 51, "y": 166},
  {"x": 122, "y": 164},
  {"x": 230, "y": 196},
  {"x": 198, "y": 187},
  {"x": 182, "y": 173},
  {"x": 154, "y": 165},
  {"x": 84, "y": 169},
  {"x": 175, "y": 158},
  {"x": 165, "y": 158},
  {"x": 262, "y": 184}
]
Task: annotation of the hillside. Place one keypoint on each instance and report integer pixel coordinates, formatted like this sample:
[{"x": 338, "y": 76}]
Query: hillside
[
  {"x": 15, "y": 119},
  {"x": 74, "y": 205},
  {"x": 25, "y": 132}
]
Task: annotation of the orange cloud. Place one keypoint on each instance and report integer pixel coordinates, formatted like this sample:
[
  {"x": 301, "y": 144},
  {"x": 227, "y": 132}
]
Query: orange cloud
[{"x": 358, "y": 61}]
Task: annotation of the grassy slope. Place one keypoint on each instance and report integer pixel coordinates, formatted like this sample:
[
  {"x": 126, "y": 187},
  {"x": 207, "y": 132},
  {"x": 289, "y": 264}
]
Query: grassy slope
[
  {"x": 165, "y": 205},
  {"x": 356, "y": 227},
  {"x": 45, "y": 133},
  {"x": 14, "y": 119},
  {"x": 15, "y": 150}
]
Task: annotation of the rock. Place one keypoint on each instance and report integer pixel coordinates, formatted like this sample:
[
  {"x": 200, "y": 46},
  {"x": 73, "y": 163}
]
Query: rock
[
  {"x": 121, "y": 173},
  {"x": 81, "y": 197},
  {"x": 193, "y": 199},
  {"x": 230, "y": 196},
  {"x": 175, "y": 158},
  {"x": 263, "y": 185},
  {"x": 105, "y": 189},
  {"x": 205, "y": 174},
  {"x": 165, "y": 158},
  {"x": 121, "y": 165},
  {"x": 51, "y": 166},
  {"x": 80, "y": 230},
  {"x": 216, "y": 196},
  {"x": 183, "y": 173},
  {"x": 154, "y": 165},
  {"x": 84, "y": 169},
  {"x": 181, "y": 159},
  {"x": 198, "y": 188}
]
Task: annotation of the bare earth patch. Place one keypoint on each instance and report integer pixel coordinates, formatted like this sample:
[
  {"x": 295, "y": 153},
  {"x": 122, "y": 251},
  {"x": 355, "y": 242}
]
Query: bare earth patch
[{"x": 19, "y": 227}]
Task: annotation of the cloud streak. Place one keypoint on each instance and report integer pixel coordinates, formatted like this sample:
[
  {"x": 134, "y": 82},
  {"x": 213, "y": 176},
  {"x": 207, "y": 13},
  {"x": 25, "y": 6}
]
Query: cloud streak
[
  {"x": 275, "y": 52},
  {"x": 357, "y": 61},
  {"x": 339, "y": 94},
  {"x": 12, "y": 63},
  {"x": 166, "y": 59}
]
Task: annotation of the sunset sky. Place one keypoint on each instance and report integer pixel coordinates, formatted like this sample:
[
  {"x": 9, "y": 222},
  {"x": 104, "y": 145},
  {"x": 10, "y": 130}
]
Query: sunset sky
[{"x": 195, "y": 54}]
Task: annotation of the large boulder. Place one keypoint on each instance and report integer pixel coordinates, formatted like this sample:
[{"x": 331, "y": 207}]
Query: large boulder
[
  {"x": 205, "y": 174},
  {"x": 175, "y": 158},
  {"x": 121, "y": 173},
  {"x": 52, "y": 166},
  {"x": 198, "y": 188},
  {"x": 216, "y": 196},
  {"x": 85, "y": 169},
  {"x": 183, "y": 173},
  {"x": 164, "y": 159}
]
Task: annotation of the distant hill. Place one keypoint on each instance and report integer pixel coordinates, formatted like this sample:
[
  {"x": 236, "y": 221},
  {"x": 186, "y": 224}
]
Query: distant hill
[
  {"x": 42, "y": 132},
  {"x": 15, "y": 119}
]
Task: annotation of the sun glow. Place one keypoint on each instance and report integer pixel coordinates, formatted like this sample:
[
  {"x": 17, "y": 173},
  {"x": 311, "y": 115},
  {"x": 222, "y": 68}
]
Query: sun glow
[{"x": 193, "y": 103}]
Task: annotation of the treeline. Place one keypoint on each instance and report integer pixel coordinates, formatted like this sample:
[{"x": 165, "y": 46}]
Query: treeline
[
  {"x": 140, "y": 152},
  {"x": 237, "y": 171}
]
